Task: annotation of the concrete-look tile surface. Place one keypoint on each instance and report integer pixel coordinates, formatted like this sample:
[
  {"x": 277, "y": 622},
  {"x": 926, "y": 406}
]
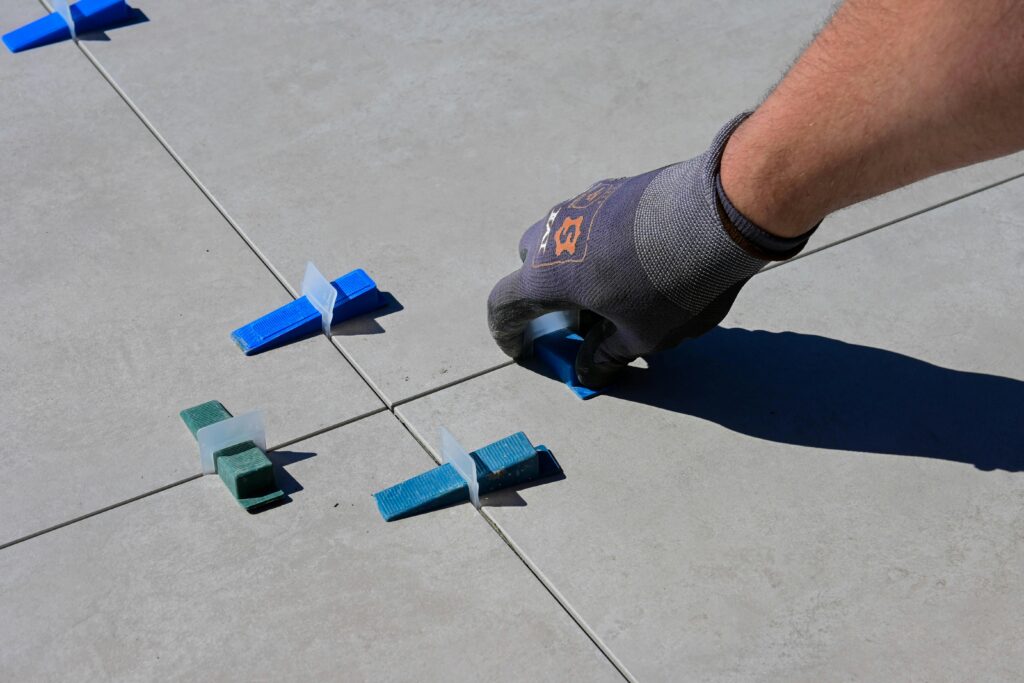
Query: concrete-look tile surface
[
  {"x": 419, "y": 144},
  {"x": 185, "y": 585},
  {"x": 827, "y": 487},
  {"x": 120, "y": 287}
]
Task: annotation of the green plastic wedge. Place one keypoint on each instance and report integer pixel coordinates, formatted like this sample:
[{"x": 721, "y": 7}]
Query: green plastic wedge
[{"x": 244, "y": 468}]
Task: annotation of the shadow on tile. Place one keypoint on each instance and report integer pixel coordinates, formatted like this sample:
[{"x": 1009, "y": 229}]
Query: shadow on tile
[
  {"x": 288, "y": 483},
  {"x": 509, "y": 497},
  {"x": 814, "y": 391},
  {"x": 367, "y": 323},
  {"x": 135, "y": 16}
]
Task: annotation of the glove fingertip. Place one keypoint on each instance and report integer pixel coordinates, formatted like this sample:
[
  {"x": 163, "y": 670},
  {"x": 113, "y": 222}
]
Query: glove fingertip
[
  {"x": 595, "y": 369},
  {"x": 510, "y": 308}
]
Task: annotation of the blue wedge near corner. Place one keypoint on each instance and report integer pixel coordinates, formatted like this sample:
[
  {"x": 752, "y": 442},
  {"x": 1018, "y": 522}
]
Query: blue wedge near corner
[
  {"x": 557, "y": 351},
  {"x": 507, "y": 462},
  {"x": 88, "y": 15},
  {"x": 357, "y": 294}
]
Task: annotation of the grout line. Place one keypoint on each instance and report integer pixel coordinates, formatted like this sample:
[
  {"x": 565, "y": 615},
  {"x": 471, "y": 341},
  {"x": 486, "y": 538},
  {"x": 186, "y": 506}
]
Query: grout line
[
  {"x": 419, "y": 438},
  {"x": 560, "y": 599},
  {"x": 324, "y": 430},
  {"x": 945, "y": 202},
  {"x": 363, "y": 375},
  {"x": 533, "y": 568},
  {"x": 453, "y": 383},
  {"x": 188, "y": 171},
  {"x": 218, "y": 206},
  {"x": 276, "y": 447},
  {"x": 100, "y": 511}
]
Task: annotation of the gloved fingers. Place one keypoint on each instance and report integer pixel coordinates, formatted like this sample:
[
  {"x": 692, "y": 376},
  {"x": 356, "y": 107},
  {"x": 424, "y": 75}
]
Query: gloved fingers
[
  {"x": 607, "y": 349},
  {"x": 510, "y": 308},
  {"x": 703, "y": 322}
]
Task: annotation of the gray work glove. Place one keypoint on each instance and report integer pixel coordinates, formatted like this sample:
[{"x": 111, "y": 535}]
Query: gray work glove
[{"x": 655, "y": 257}]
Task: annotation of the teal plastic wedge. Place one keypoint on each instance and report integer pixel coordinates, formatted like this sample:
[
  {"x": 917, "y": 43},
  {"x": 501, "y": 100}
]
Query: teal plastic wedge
[
  {"x": 357, "y": 294},
  {"x": 244, "y": 468},
  {"x": 88, "y": 15},
  {"x": 510, "y": 461}
]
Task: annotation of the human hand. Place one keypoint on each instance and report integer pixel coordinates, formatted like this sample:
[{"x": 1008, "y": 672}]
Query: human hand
[{"x": 654, "y": 256}]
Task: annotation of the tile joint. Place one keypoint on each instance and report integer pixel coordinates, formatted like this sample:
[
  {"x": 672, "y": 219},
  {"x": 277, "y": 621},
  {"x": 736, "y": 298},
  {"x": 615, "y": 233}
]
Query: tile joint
[
  {"x": 913, "y": 214},
  {"x": 218, "y": 206},
  {"x": 87, "y": 515},
  {"x": 545, "y": 582}
]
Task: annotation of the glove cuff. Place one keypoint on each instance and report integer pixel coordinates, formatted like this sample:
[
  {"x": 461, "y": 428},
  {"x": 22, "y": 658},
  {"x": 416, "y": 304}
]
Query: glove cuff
[
  {"x": 686, "y": 244},
  {"x": 753, "y": 238}
]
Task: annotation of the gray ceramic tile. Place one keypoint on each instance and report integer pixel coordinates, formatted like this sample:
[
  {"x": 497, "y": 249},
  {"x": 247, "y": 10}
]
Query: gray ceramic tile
[
  {"x": 828, "y": 487},
  {"x": 119, "y": 286},
  {"x": 420, "y": 144},
  {"x": 184, "y": 585}
]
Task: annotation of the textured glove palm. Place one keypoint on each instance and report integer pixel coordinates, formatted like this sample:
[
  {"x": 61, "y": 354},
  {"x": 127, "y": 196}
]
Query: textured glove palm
[{"x": 654, "y": 256}]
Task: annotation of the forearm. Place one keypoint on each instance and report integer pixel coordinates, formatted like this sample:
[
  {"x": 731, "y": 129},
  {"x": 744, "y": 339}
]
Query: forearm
[{"x": 890, "y": 92}]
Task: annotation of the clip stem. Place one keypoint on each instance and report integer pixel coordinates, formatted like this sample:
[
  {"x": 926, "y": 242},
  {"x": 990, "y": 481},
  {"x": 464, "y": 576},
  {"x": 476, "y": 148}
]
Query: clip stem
[
  {"x": 454, "y": 454},
  {"x": 322, "y": 294}
]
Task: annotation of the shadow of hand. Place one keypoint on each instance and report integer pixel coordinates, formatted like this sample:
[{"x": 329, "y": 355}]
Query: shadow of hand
[{"x": 808, "y": 390}]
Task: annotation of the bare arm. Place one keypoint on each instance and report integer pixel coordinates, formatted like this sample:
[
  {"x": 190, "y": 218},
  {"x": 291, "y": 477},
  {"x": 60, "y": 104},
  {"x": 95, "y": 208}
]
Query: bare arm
[{"x": 890, "y": 92}]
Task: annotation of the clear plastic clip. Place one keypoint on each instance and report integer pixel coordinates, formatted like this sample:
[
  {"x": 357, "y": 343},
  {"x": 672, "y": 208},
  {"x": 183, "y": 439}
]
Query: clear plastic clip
[
  {"x": 452, "y": 452},
  {"x": 230, "y": 432},
  {"x": 546, "y": 324},
  {"x": 61, "y": 8},
  {"x": 321, "y": 294}
]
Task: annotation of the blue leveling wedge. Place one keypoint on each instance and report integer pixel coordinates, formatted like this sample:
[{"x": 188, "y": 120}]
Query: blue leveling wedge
[
  {"x": 557, "y": 350},
  {"x": 512, "y": 460},
  {"x": 88, "y": 16},
  {"x": 552, "y": 341},
  {"x": 357, "y": 294}
]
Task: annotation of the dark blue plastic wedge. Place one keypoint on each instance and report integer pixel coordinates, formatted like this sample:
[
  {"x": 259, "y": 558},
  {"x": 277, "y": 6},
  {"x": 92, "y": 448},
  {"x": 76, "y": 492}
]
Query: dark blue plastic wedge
[
  {"x": 89, "y": 16},
  {"x": 357, "y": 294},
  {"x": 557, "y": 351}
]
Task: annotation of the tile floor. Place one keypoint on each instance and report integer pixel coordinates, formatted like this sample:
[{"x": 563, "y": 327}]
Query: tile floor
[{"x": 849, "y": 509}]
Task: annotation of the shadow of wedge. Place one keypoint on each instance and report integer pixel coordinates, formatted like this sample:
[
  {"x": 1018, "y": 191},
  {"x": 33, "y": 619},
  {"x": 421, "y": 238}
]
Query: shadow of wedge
[{"x": 135, "y": 16}]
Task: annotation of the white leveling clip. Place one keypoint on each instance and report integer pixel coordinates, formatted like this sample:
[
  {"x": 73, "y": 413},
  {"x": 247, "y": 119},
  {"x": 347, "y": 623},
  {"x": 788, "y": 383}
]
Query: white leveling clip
[
  {"x": 454, "y": 454},
  {"x": 61, "y": 8},
  {"x": 230, "y": 432},
  {"x": 322, "y": 294},
  {"x": 548, "y": 324}
]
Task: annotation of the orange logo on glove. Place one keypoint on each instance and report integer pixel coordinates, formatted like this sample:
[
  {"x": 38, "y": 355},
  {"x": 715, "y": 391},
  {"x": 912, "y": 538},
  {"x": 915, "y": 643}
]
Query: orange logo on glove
[
  {"x": 567, "y": 235},
  {"x": 578, "y": 217}
]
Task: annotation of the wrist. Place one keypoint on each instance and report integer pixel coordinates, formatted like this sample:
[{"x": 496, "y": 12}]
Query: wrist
[{"x": 767, "y": 180}]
